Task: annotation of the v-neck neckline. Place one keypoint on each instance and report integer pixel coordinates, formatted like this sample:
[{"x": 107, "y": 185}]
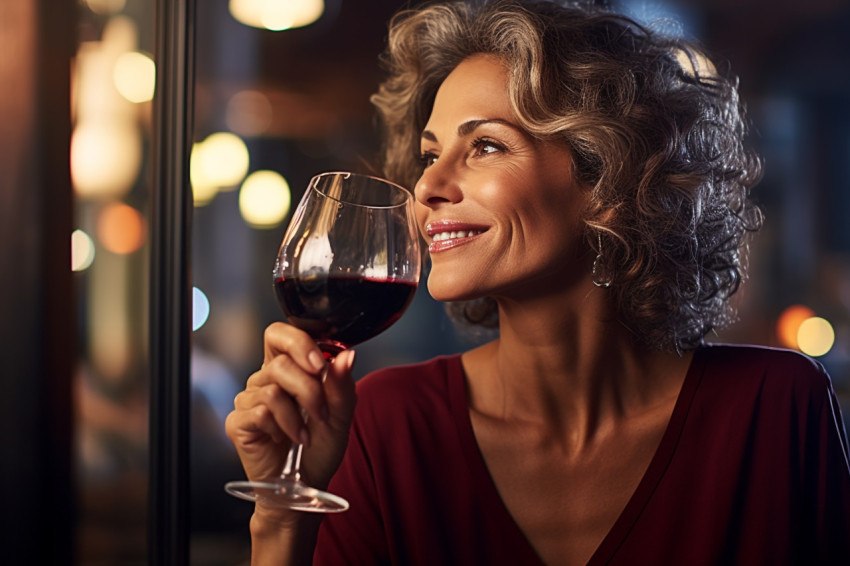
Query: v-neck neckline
[{"x": 621, "y": 528}]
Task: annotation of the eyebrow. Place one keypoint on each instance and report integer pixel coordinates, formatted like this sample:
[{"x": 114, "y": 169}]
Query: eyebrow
[{"x": 468, "y": 127}]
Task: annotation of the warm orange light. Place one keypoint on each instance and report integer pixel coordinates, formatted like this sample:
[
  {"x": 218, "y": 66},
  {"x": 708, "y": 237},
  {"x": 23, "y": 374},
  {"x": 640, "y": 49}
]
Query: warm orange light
[
  {"x": 788, "y": 325},
  {"x": 121, "y": 228}
]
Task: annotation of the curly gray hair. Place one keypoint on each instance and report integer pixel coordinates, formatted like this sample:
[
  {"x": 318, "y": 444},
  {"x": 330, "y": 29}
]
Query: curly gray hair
[{"x": 656, "y": 134}]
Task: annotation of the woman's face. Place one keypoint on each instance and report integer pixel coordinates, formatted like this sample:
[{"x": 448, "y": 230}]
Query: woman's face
[{"x": 497, "y": 207}]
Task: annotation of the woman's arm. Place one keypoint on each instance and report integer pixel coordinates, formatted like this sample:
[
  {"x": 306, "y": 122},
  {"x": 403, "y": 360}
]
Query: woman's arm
[
  {"x": 276, "y": 541},
  {"x": 267, "y": 419}
]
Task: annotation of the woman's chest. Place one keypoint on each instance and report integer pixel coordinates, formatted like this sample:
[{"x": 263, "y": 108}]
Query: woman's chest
[{"x": 566, "y": 505}]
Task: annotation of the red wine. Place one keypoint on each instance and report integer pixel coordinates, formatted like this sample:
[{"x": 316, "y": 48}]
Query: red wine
[{"x": 343, "y": 311}]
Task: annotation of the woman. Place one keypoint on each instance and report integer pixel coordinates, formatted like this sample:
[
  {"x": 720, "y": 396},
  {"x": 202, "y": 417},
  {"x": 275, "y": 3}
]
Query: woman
[{"x": 581, "y": 184}]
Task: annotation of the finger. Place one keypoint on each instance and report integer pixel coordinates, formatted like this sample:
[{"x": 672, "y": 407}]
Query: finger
[
  {"x": 305, "y": 388},
  {"x": 339, "y": 386},
  {"x": 247, "y": 428},
  {"x": 274, "y": 403},
  {"x": 261, "y": 457},
  {"x": 280, "y": 338}
]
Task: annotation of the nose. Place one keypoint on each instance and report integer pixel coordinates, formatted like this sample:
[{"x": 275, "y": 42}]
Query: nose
[{"x": 438, "y": 185}]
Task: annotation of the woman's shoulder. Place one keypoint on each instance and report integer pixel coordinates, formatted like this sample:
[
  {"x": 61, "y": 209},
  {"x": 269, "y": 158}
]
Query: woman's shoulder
[
  {"x": 764, "y": 367},
  {"x": 401, "y": 384},
  {"x": 761, "y": 356}
]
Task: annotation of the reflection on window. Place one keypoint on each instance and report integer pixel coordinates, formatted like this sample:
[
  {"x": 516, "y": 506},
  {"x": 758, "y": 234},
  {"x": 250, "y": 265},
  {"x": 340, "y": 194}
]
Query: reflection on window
[{"x": 112, "y": 88}]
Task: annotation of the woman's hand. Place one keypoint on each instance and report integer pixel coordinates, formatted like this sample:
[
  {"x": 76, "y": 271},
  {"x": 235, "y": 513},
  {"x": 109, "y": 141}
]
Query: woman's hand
[{"x": 267, "y": 415}]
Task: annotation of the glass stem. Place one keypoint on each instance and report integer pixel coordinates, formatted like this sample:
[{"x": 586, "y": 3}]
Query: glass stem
[{"x": 292, "y": 468}]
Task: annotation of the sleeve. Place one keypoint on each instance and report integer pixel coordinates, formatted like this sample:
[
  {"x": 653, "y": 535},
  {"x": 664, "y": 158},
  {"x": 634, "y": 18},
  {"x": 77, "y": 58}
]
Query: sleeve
[
  {"x": 355, "y": 536},
  {"x": 827, "y": 477}
]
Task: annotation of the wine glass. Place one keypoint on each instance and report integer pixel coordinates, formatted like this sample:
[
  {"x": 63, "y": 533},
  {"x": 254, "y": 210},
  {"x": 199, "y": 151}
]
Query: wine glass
[{"x": 347, "y": 269}]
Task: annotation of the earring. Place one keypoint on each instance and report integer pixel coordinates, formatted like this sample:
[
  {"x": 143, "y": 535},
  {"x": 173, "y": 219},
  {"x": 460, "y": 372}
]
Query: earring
[{"x": 599, "y": 279}]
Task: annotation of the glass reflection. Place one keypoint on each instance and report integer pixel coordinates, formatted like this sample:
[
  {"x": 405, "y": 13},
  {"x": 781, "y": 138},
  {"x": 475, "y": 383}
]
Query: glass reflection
[{"x": 111, "y": 125}]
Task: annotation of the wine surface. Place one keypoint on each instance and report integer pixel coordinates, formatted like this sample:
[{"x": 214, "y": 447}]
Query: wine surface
[{"x": 343, "y": 311}]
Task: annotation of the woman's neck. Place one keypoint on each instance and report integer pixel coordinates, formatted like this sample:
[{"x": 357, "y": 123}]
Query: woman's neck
[{"x": 569, "y": 367}]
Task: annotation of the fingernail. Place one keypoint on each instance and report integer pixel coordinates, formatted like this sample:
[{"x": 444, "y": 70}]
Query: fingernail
[
  {"x": 304, "y": 436},
  {"x": 316, "y": 360},
  {"x": 349, "y": 361}
]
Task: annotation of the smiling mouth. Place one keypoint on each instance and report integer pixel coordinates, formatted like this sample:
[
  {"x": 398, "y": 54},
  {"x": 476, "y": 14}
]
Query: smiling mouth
[
  {"x": 442, "y": 240},
  {"x": 455, "y": 235}
]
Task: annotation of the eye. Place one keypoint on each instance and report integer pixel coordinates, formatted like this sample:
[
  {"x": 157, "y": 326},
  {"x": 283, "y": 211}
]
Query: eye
[
  {"x": 427, "y": 158},
  {"x": 486, "y": 146}
]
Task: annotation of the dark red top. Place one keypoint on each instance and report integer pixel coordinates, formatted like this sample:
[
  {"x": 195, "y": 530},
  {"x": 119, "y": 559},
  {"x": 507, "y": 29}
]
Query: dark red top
[{"x": 752, "y": 469}]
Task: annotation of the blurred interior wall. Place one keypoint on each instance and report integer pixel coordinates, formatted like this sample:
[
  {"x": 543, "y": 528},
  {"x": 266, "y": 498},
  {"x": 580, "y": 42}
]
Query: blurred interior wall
[{"x": 36, "y": 298}]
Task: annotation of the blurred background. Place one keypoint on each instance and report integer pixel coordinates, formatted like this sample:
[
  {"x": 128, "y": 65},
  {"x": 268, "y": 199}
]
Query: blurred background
[{"x": 281, "y": 93}]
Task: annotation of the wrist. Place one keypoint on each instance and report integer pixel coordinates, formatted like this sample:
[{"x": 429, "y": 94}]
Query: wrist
[
  {"x": 279, "y": 536},
  {"x": 267, "y": 520}
]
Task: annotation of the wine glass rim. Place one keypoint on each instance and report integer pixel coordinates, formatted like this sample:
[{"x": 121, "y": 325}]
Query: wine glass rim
[{"x": 406, "y": 192}]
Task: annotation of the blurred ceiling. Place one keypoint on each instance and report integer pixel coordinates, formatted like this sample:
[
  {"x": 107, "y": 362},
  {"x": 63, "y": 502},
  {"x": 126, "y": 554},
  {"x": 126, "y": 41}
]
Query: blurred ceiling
[{"x": 318, "y": 79}]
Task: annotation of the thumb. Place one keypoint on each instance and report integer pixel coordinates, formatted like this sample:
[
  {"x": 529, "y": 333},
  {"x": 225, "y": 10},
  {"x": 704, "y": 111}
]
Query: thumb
[{"x": 339, "y": 386}]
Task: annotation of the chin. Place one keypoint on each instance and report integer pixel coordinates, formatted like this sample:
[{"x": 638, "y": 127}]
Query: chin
[{"x": 452, "y": 289}]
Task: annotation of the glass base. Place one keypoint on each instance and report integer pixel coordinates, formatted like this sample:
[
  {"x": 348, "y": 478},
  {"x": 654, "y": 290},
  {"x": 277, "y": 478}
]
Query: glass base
[{"x": 288, "y": 493}]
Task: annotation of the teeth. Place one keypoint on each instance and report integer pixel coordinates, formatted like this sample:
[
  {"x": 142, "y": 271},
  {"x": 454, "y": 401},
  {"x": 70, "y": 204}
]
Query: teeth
[{"x": 442, "y": 236}]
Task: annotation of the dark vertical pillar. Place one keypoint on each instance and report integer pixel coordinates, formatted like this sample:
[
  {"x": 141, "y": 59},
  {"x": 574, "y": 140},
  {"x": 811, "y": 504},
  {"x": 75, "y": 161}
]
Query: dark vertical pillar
[
  {"x": 36, "y": 297},
  {"x": 170, "y": 285}
]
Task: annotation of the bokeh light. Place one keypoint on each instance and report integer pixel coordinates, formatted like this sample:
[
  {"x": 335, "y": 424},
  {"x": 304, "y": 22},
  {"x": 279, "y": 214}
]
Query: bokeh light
[
  {"x": 82, "y": 251},
  {"x": 106, "y": 157},
  {"x": 249, "y": 113},
  {"x": 203, "y": 189},
  {"x": 276, "y": 15},
  {"x": 121, "y": 228},
  {"x": 816, "y": 336},
  {"x": 111, "y": 329},
  {"x": 788, "y": 324},
  {"x": 134, "y": 76},
  {"x": 264, "y": 199},
  {"x": 120, "y": 34},
  {"x": 94, "y": 96},
  {"x": 200, "y": 308},
  {"x": 220, "y": 161}
]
